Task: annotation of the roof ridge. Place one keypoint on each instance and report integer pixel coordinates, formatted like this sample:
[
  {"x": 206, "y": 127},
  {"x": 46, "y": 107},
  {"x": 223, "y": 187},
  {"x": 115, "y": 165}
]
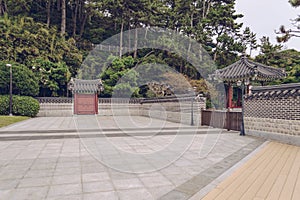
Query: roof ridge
[
  {"x": 276, "y": 87},
  {"x": 78, "y": 79},
  {"x": 250, "y": 63},
  {"x": 225, "y": 68}
]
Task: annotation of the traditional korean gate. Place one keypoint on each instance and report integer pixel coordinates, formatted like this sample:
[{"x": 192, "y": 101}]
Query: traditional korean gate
[
  {"x": 85, "y": 104},
  {"x": 85, "y": 95}
]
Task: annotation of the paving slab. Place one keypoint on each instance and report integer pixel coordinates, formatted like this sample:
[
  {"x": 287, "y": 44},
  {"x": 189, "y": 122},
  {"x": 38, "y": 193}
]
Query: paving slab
[
  {"x": 81, "y": 168},
  {"x": 68, "y": 124}
]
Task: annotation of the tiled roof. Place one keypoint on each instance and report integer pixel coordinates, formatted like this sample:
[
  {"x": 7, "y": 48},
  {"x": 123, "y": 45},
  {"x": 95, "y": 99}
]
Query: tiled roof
[
  {"x": 275, "y": 91},
  {"x": 245, "y": 69},
  {"x": 85, "y": 86}
]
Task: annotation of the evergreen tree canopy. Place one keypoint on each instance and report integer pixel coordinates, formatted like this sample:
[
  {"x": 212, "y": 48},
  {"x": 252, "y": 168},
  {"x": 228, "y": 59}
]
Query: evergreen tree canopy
[{"x": 52, "y": 38}]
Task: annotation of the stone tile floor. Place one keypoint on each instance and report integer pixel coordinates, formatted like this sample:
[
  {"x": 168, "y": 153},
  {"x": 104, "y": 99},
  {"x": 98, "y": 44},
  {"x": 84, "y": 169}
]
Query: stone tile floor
[
  {"x": 66, "y": 169},
  {"x": 60, "y": 124},
  {"x": 135, "y": 158}
]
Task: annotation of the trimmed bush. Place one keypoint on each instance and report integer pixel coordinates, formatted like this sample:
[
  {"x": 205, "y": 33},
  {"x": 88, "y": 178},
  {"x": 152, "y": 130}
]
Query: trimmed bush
[
  {"x": 25, "y": 82},
  {"x": 21, "y": 105},
  {"x": 4, "y": 105}
]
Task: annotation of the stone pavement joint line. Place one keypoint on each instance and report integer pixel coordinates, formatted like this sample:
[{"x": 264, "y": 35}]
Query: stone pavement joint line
[
  {"x": 102, "y": 134},
  {"x": 192, "y": 186},
  {"x": 66, "y": 168},
  {"x": 273, "y": 173}
]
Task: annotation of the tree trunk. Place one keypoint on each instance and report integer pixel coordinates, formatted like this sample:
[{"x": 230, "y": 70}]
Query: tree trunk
[
  {"x": 192, "y": 20},
  {"x": 129, "y": 37},
  {"x": 189, "y": 48},
  {"x": 63, "y": 18},
  {"x": 190, "y": 36},
  {"x": 48, "y": 12},
  {"x": 146, "y": 32},
  {"x": 3, "y": 7},
  {"x": 58, "y": 5},
  {"x": 203, "y": 9},
  {"x": 200, "y": 53},
  {"x": 121, "y": 39},
  {"x": 75, "y": 13},
  {"x": 216, "y": 52},
  {"x": 206, "y": 8},
  {"x": 80, "y": 10},
  {"x": 215, "y": 56},
  {"x": 135, "y": 42},
  {"x": 83, "y": 25}
]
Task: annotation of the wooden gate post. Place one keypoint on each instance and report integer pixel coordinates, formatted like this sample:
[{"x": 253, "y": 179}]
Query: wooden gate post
[{"x": 228, "y": 120}]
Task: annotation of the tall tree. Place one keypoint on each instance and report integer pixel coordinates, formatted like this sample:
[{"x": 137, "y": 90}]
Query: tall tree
[
  {"x": 267, "y": 50},
  {"x": 49, "y": 2},
  {"x": 295, "y": 3},
  {"x": 289, "y": 60},
  {"x": 127, "y": 12},
  {"x": 286, "y": 34},
  {"x": 75, "y": 7},
  {"x": 248, "y": 40},
  {"x": 223, "y": 31},
  {"x": 3, "y": 7},
  {"x": 23, "y": 40},
  {"x": 63, "y": 18}
]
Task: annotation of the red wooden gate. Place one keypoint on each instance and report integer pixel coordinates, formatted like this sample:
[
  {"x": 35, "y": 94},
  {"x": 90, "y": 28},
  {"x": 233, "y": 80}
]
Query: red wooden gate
[
  {"x": 85, "y": 95},
  {"x": 86, "y": 104}
]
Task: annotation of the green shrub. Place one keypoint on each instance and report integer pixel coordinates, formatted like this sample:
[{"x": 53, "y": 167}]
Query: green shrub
[
  {"x": 4, "y": 105},
  {"x": 25, "y": 82},
  {"x": 21, "y": 105}
]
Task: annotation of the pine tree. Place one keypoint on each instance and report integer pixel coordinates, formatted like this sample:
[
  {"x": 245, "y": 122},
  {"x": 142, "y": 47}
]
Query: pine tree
[{"x": 284, "y": 34}]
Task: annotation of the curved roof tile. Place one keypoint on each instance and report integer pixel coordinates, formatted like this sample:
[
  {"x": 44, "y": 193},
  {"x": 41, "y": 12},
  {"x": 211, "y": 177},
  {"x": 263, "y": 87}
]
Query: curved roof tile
[
  {"x": 85, "y": 86},
  {"x": 244, "y": 69},
  {"x": 275, "y": 91}
]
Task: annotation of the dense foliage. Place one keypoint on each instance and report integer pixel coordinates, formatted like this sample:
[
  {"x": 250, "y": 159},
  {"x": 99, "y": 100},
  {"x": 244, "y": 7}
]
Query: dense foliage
[
  {"x": 22, "y": 105},
  {"x": 52, "y": 38},
  {"x": 41, "y": 50},
  {"x": 289, "y": 60},
  {"x": 119, "y": 78},
  {"x": 24, "y": 80}
]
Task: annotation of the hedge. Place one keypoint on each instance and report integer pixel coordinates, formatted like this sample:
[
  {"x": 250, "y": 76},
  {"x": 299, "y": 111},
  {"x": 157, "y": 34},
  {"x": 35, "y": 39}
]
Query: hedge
[{"x": 21, "y": 105}]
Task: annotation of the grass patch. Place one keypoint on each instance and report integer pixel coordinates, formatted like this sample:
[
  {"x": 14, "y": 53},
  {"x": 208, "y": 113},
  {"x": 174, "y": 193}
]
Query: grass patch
[{"x": 7, "y": 120}]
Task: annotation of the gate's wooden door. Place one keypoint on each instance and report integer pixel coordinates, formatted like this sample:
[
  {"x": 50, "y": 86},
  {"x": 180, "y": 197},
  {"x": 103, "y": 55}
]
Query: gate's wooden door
[{"x": 85, "y": 104}]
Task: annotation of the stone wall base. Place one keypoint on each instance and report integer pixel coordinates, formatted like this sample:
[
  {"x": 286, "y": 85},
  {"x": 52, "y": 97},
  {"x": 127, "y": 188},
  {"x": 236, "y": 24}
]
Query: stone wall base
[
  {"x": 289, "y": 139},
  {"x": 279, "y": 126}
]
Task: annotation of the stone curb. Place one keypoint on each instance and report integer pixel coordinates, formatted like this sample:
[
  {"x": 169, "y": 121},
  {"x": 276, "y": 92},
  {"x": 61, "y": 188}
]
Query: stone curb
[
  {"x": 96, "y": 130},
  {"x": 40, "y": 136}
]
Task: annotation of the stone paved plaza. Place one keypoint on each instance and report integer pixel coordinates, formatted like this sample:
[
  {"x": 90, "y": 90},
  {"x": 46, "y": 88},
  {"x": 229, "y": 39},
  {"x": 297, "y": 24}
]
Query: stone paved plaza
[{"x": 68, "y": 168}]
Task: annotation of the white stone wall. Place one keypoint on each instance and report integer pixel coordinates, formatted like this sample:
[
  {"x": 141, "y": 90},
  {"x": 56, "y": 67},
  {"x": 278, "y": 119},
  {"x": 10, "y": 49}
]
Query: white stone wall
[
  {"x": 179, "y": 112},
  {"x": 279, "y": 126},
  {"x": 170, "y": 111},
  {"x": 55, "y": 109}
]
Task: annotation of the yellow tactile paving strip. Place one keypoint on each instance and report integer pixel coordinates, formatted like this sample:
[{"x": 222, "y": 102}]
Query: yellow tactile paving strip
[{"x": 272, "y": 173}]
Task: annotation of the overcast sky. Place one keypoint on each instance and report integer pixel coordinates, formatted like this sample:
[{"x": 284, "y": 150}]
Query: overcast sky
[{"x": 265, "y": 16}]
